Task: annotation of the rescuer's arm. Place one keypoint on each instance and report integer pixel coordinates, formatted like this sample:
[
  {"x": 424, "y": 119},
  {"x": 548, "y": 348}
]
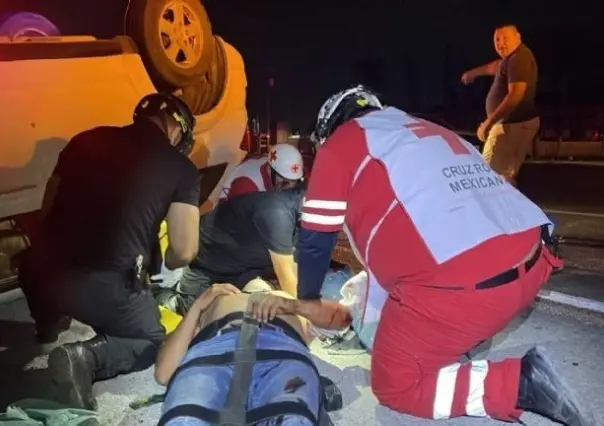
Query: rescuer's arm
[
  {"x": 314, "y": 256},
  {"x": 326, "y": 314},
  {"x": 285, "y": 267},
  {"x": 183, "y": 222},
  {"x": 323, "y": 213},
  {"x": 177, "y": 343}
]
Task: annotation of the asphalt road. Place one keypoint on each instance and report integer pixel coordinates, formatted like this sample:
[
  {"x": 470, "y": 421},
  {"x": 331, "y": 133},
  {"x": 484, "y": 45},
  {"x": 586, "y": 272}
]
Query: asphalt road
[
  {"x": 572, "y": 193},
  {"x": 576, "y": 187},
  {"x": 575, "y": 346}
]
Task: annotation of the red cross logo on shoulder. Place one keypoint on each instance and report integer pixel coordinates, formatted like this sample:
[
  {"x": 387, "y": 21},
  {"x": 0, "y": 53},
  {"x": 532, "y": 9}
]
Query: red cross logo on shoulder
[
  {"x": 272, "y": 156},
  {"x": 424, "y": 129},
  {"x": 294, "y": 168}
]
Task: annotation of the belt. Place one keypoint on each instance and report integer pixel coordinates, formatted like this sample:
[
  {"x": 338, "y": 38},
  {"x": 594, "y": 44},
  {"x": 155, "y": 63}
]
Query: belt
[
  {"x": 288, "y": 331},
  {"x": 510, "y": 275},
  {"x": 222, "y": 325}
]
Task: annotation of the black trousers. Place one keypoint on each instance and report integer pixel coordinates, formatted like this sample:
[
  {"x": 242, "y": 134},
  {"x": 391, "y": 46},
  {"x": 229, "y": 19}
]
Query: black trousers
[{"x": 129, "y": 320}]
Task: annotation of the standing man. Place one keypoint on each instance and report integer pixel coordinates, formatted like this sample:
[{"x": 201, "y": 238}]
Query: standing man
[
  {"x": 452, "y": 254},
  {"x": 512, "y": 121},
  {"x": 282, "y": 168},
  {"x": 245, "y": 237},
  {"x": 103, "y": 205}
]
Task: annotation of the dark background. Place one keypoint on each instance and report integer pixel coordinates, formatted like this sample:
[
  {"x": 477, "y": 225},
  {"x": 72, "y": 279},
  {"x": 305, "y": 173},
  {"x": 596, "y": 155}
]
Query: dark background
[{"x": 412, "y": 51}]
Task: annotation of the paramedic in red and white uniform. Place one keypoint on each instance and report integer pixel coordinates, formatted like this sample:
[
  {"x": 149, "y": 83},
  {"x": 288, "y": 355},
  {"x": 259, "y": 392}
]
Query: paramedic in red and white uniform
[
  {"x": 452, "y": 253},
  {"x": 280, "y": 169}
]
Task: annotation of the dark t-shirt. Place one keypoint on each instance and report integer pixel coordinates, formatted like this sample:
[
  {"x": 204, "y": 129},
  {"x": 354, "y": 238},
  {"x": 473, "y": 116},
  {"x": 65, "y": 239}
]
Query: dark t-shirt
[
  {"x": 235, "y": 237},
  {"x": 117, "y": 184},
  {"x": 520, "y": 66}
]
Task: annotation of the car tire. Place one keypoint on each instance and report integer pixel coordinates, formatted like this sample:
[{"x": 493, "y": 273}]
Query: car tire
[
  {"x": 174, "y": 37},
  {"x": 205, "y": 93},
  {"x": 27, "y": 24}
]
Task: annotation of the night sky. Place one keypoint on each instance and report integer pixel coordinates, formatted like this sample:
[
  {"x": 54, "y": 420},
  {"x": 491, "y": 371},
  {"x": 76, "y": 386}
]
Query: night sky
[
  {"x": 416, "y": 48},
  {"x": 412, "y": 51}
]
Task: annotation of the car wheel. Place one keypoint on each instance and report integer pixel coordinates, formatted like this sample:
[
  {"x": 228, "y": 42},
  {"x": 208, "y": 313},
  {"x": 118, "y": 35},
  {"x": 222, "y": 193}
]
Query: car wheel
[
  {"x": 174, "y": 37},
  {"x": 27, "y": 24},
  {"x": 203, "y": 95}
]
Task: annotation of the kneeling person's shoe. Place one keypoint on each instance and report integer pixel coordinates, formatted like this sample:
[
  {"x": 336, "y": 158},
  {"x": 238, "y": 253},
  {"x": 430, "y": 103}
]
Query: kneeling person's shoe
[
  {"x": 72, "y": 367},
  {"x": 47, "y": 336},
  {"x": 543, "y": 391},
  {"x": 332, "y": 397}
]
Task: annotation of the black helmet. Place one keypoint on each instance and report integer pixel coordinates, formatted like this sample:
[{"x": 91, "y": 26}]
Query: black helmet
[{"x": 151, "y": 105}]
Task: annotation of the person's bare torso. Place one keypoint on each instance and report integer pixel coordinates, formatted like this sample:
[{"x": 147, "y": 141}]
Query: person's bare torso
[{"x": 225, "y": 305}]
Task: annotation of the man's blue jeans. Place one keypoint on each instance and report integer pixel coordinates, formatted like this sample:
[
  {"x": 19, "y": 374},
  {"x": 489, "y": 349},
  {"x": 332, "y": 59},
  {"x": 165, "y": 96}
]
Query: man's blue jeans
[{"x": 207, "y": 386}]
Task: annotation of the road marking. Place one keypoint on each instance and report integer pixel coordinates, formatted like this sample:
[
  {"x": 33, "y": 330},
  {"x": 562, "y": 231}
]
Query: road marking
[
  {"x": 573, "y": 301},
  {"x": 574, "y": 213},
  {"x": 567, "y": 162}
]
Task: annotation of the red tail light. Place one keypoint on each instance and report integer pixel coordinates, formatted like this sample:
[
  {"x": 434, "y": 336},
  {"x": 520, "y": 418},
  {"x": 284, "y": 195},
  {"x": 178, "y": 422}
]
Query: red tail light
[{"x": 246, "y": 142}]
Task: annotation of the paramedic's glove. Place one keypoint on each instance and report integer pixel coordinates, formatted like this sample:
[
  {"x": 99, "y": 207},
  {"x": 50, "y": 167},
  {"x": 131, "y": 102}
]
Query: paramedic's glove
[
  {"x": 216, "y": 290},
  {"x": 265, "y": 307}
]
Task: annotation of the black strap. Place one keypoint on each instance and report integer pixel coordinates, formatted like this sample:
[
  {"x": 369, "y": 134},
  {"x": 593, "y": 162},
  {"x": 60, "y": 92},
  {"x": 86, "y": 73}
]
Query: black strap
[
  {"x": 214, "y": 327},
  {"x": 234, "y": 411},
  {"x": 229, "y": 358},
  {"x": 236, "y": 417},
  {"x": 252, "y": 417}
]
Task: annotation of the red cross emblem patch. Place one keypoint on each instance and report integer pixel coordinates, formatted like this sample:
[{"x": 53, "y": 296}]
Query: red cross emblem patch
[
  {"x": 272, "y": 157},
  {"x": 294, "y": 168}
]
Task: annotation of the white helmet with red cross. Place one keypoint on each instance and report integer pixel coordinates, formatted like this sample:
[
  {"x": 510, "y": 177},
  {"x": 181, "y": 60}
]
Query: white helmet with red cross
[{"x": 286, "y": 160}]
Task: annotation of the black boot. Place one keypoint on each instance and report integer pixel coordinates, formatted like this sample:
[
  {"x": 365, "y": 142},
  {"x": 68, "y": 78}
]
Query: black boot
[
  {"x": 543, "y": 391},
  {"x": 49, "y": 333},
  {"x": 332, "y": 397},
  {"x": 72, "y": 367}
]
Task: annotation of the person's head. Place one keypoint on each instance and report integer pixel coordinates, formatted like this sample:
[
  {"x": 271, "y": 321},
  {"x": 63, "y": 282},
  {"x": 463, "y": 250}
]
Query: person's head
[
  {"x": 287, "y": 167},
  {"x": 172, "y": 116},
  {"x": 506, "y": 39},
  {"x": 342, "y": 107}
]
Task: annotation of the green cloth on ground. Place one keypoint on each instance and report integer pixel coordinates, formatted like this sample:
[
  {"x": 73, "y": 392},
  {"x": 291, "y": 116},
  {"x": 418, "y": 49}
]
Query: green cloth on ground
[
  {"x": 42, "y": 412},
  {"x": 147, "y": 401}
]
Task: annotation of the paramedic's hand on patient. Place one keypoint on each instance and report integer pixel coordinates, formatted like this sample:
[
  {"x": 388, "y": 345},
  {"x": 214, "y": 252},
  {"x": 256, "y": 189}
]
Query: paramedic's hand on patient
[
  {"x": 265, "y": 307},
  {"x": 322, "y": 313}
]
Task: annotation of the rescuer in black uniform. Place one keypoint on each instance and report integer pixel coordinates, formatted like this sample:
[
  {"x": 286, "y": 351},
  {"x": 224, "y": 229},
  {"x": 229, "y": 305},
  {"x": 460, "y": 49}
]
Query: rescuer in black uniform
[
  {"x": 103, "y": 206},
  {"x": 244, "y": 237}
]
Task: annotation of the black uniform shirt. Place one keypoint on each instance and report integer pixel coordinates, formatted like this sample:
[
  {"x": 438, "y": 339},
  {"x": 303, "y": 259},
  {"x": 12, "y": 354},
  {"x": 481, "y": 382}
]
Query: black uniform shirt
[
  {"x": 236, "y": 236},
  {"x": 116, "y": 186}
]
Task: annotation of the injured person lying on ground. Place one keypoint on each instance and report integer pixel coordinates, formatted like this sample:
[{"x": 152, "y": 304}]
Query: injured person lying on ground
[{"x": 240, "y": 357}]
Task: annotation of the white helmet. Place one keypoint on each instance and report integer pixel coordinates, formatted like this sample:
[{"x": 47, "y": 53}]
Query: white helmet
[
  {"x": 286, "y": 160},
  {"x": 338, "y": 109}
]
